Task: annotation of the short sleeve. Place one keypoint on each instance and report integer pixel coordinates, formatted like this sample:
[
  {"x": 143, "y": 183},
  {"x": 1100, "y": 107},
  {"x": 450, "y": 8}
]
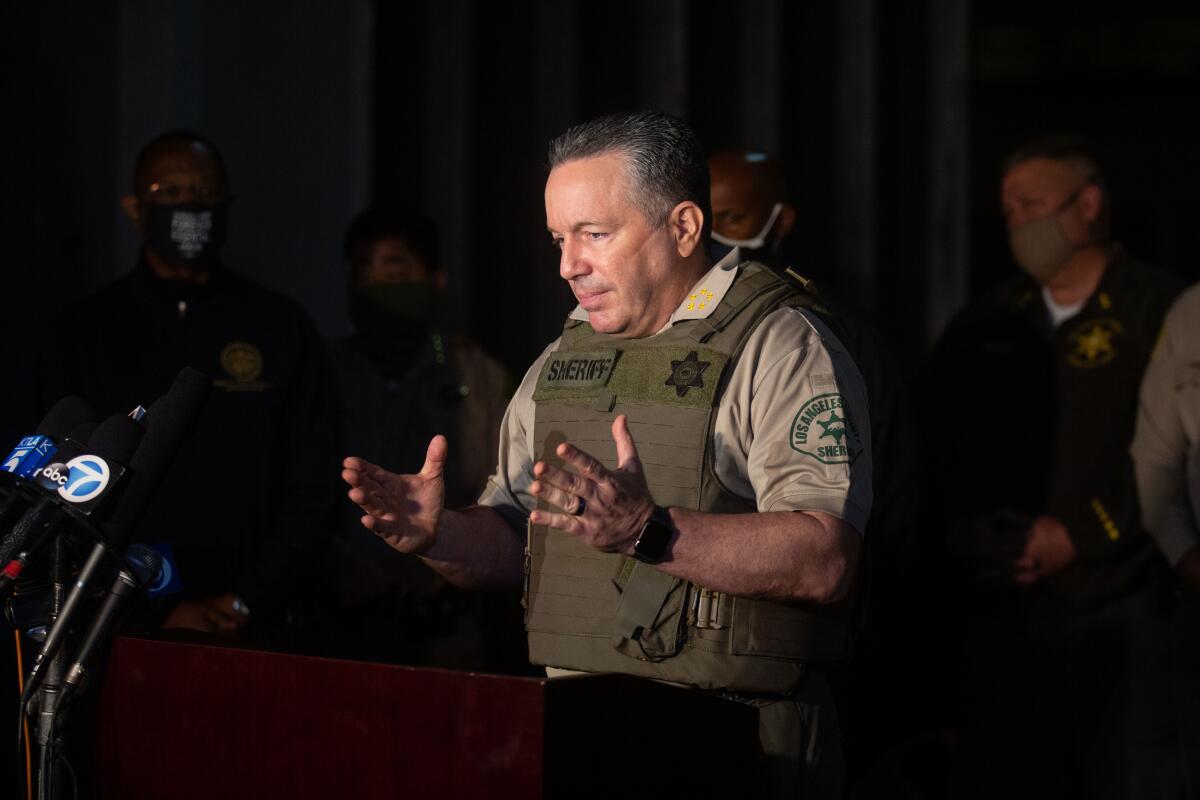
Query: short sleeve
[
  {"x": 793, "y": 429},
  {"x": 507, "y": 489}
]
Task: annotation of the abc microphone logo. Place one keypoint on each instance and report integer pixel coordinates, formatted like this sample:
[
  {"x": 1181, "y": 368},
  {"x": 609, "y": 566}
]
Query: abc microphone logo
[{"x": 80, "y": 480}]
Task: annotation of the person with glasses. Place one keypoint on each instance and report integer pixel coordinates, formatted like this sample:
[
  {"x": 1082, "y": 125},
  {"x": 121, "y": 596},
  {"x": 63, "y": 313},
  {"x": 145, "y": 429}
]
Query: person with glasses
[
  {"x": 243, "y": 509},
  {"x": 1035, "y": 392}
]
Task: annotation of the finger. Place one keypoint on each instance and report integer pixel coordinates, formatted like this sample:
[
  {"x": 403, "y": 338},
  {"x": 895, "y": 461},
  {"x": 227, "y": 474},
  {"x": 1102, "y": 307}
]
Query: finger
[
  {"x": 555, "y": 496},
  {"x": 562, "y": 522},
  {"x": 627, "y": 454},
  {"x": 435, "y": 458},
  {"x": 588, "y": 466},
  {"x": 569, "y": 482},
  {"x": 367, "y": 501},
  {"x": 218, "y": 623}
]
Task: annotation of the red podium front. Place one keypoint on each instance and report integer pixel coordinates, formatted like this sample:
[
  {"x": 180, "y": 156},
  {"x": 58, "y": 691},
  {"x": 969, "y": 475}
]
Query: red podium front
[{"x": 190, "y": 721}]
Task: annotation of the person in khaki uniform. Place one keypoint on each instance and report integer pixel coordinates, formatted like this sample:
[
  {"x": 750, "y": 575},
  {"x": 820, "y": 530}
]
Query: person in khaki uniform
[
  {"x": 689, "y": 463},
  {"x": 404, "y": 375},
  {"x": 1166, "y": 456}
]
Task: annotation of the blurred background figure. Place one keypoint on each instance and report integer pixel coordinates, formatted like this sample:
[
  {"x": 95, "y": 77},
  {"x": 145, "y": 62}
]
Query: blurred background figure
[
  {"x": 1166, "y": 454},
  {"x": 751, "y": 211},
  {"x": 1032, "y": 407},
  {"x": 404, "y": 375},
  {"x": 242, "y": 508}
]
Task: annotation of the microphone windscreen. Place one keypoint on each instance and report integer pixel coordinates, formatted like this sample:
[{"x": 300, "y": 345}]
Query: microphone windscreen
[
  {"x": 169, "y": 421},
  {"x": 67, "y": 414},
  {"x": 116, "y": 439},
  {"x": 145, "y": 561}
]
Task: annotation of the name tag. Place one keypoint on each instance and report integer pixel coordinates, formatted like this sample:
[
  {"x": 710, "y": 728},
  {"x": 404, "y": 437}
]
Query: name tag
[{"x": 578, "y": 370}]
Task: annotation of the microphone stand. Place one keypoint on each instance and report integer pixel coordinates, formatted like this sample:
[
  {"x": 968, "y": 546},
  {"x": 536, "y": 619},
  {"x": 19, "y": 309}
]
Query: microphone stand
[{"x": 48, "y": 738}]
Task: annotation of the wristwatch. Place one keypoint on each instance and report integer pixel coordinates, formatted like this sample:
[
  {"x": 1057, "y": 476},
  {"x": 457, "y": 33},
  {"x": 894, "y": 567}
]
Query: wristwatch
[{"x": 651, "y": 544}]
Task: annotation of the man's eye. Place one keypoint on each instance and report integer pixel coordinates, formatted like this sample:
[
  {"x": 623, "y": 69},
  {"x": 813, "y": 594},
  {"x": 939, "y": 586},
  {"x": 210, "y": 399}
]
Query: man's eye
[
  {"x": 595, "y": 236},
  {"x": 557, "y": 242}
]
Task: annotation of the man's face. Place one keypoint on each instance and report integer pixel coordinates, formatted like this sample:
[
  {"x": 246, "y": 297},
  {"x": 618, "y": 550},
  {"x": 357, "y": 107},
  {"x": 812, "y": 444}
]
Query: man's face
[
  {"x": 622, "y": 269},
  {"x": 740, "y": 209},
  {"x": 389, "y": 261},
  {"x": 1038, "y": 188},
  {"x": 183, "y": 176}
]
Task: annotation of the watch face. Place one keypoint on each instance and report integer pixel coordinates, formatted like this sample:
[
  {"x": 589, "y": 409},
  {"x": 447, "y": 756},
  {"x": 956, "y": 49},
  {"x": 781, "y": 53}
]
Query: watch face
[{"x": 652, "y": 543}]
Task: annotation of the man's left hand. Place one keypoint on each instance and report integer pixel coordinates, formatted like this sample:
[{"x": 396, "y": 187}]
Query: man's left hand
[
  {"x": 606, "y": 508},
  {"x": 1048, "y": 551}
]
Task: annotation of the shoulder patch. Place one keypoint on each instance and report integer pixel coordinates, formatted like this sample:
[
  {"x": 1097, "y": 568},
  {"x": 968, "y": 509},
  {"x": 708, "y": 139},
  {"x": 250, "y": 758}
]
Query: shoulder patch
[{"x": 824, "y": 429}]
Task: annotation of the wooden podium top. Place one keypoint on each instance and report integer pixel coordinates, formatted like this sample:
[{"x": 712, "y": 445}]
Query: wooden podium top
[{"x": 194, "y": 721}]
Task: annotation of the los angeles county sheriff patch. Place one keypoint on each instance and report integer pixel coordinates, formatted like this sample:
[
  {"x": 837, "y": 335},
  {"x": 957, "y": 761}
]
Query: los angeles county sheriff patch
[
  {"x": 1092, "y": 343},
  {"x": 242, "y": 361},
  {"x": 824, "y": 429}
]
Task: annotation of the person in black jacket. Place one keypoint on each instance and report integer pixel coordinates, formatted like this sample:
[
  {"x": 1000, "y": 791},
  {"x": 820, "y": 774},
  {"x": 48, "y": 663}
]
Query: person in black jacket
[
  {"x": 1030, "y": 413},
  {"x": 245, "y": 505}
]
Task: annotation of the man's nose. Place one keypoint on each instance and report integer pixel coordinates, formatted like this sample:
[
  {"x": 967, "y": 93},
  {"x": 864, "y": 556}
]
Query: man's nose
[{"x": 571, "y": 263}]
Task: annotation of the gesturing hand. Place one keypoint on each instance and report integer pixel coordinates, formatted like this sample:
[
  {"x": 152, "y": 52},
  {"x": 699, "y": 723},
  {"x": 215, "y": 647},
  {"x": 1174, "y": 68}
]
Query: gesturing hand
[
  {"x": 403, "y": 510},
  {"x": 605, "y": 508}
]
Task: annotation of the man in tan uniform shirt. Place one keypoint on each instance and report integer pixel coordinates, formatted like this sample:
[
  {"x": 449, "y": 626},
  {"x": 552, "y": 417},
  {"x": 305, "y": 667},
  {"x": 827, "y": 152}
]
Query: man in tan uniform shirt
[
  {"x": 1166, "y": 456},
  {"x": 627, "y": 205}
]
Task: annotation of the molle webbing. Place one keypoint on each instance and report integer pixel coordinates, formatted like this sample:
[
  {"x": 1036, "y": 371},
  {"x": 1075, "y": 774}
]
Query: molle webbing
[{"x": 594, "y": 611}]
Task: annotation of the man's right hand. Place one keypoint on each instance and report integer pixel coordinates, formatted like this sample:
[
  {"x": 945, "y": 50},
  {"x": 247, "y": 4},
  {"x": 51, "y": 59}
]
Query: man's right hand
[{"x": 403, "y": 510}]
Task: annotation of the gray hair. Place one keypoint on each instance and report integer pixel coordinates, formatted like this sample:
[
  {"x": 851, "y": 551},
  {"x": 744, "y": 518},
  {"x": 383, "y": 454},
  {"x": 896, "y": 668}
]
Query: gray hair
[{"x": 663, "y": 156}]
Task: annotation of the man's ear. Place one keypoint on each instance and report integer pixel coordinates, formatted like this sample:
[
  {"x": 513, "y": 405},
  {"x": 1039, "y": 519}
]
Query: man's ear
[
  {"x": 132, "y": 210},
  {"x": 1091, "y": 202},
  {"x": 687, "y": 226},
  {"x": 785, "y": 223}
]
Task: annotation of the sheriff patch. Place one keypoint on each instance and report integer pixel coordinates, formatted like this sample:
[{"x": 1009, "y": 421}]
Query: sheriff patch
[
  {"x": 1092, "y": 343},
  {"x": 578, "y": 370},
  {"x": 824, "y": 429}
]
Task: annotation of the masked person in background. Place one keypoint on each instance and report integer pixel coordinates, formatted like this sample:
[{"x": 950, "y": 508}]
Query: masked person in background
[
  {"x": 1035, "y": 390},
  {"x": 751, "y": 212},
  {"x": 405, "y": 375},
  {"x": 241, "y": 508}
]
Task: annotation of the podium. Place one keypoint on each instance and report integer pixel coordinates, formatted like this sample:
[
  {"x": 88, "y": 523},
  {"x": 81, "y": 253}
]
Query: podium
[{"x": 188, "y": 721}]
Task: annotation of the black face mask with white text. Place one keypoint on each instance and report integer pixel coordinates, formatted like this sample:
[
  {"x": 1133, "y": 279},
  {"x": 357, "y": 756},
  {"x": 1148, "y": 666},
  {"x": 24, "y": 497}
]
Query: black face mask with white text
[{"x": 188, "y": 235}]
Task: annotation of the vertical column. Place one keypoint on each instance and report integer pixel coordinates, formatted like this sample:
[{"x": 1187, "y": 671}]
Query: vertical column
[
  {"x": 759, "y": 76},
  {"x": 663, "y": 56},
  {"x": 855, "y": 151},
  {"x": 448, "y": 164},
  {"x": 949, "y": 168},
  {"x": 359, "y": 120}
]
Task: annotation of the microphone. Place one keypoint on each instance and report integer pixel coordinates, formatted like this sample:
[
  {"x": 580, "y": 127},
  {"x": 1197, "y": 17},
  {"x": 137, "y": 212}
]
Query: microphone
[
  {"x": 85, "y": 482},
  {"x": 33, "y": 452},
  {"x": 142, "y": 566},
  {"x": 169, "y": 421}
]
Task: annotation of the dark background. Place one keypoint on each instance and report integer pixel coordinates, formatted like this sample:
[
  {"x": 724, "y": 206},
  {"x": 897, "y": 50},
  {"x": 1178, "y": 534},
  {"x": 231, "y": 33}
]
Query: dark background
[{"x": 890, "y": 118}]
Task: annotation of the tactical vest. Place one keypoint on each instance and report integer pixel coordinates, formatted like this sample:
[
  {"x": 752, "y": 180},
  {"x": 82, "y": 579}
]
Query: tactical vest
[{"x": 604, "y": 612}]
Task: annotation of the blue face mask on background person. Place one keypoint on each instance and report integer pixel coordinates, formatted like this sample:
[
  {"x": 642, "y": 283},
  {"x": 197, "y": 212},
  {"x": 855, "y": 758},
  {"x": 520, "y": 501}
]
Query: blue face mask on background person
[{"x": 187, "y": 234}]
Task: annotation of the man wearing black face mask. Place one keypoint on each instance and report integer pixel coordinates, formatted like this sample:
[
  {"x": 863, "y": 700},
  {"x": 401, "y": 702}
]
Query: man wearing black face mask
[
  {"x": 405, "y": 375},
  {"x": 1036, "y": 388},
  {"x": 243, "y": 507}
]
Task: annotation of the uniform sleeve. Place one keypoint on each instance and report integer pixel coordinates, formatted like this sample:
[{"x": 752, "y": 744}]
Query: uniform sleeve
[
  {"x": 507, "y": 490},
  {"x": 793, "y": 430},
  {"x": 1165, "y": 444},
  {"x": 300, "y": 529}
]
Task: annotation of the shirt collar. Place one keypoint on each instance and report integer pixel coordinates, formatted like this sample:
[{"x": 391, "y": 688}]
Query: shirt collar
[{"x": 704, "y": 296}]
